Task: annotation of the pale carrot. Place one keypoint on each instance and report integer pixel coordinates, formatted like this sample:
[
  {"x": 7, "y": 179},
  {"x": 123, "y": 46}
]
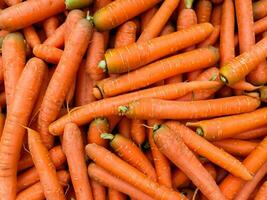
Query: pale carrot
[
  {"x": 47, "y": 53},
  {"x": 31, "y": 36}
]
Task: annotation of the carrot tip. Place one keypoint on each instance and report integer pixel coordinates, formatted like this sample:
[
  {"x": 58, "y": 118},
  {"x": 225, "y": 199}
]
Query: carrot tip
[
  {"x": 103, "y": 65},
  {"x": 223, "y": 79},
  {"x": 200, "y": 131},
  {"x": 107, "y": 136},
  {"x": 123, "y": 110}
]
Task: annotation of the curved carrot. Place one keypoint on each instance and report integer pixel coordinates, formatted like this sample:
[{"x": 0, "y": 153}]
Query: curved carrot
[
  {"x": 259, "y": 9},
  {"x": 31, "y": 36},
  {"x": 147, "y": 16},
  {"x": 63, "y": 77},
  {"x": 138, "y": 132},
  {"x": 261, "y": 194},
  {"x": 157, "y": 71},
  {"x": 30, "y": 11},
  {"x": 73, "y": 148},
  {"x": 126, "y": 34},
  {"x": 28, "y": 86},
  {"x": 99, "y": 191},
  {"x": 253, "y": 133},
  {"x": 12, "y": 2},
  {"x": 172, "y": 146},
  {"x": 203, "y": 11},
  {"x": 50, "y": 25},
  {"x": 57, "y": 38},
  {"x": 74, "y": 4},
  {"x": 138, "y": 54},
  {"x": 116, "y": 195},
  {"x": 129, "y": 152},
  {"x": 208, "y": 150},
  {"x": 47, "y": 53}
]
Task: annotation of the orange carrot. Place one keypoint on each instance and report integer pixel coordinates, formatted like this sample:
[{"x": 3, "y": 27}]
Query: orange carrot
[
  {"x": 124, "y": 127},
  {"x": 158, "y": 21},
  {"x": 126, "y": 172},
  {"x": 30, "y": 11},
  {"x": 253, "y": 133},
  {"x": 28, "y": 86},
  {"x": 116, "y": 195},
  {"x": 147, "y": 16},
  {"x": 63, "y": 77},
  {"x": 113, "y": 121},
  {"x": 261, "y": 194},
  {"x": 57, "y": 38},
  {"x": 96, "y": 128},
  {"x": 126, "y": 34},
  {"x": 2, "y": 123},
  {"x": 31, "y": 36},
  {"x": 172, "y": 146},
  {"x": 260, "y": 26},
  {"x": 99, "y": 191},
  {"x": 50, "y": 25},
  {"x": 47, "y": 53},
  {"x": 100, "y": 4},
  {"x": 212, "y": 39},
  {"x": 12, "y": 2},
  {"x": 138, "y": 132},
  {"x": 203, "y": 11},
  {"x": 259, "y": 9},
  {"x": 168, "y": 29},
  {"x": 73, "y": 148},
  {"x": 70, "y": 94},
  {"x": 25, "y": 162},
  {"x": 1, "y": 70},
  {"x": 179, "y": 179},
  {"x": 111, "y": 16},
  {"x": 206, "y": 149},
  {"x": 132, "y": 56}
]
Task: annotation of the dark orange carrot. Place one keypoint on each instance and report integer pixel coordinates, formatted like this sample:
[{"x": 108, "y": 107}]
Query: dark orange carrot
[
  {"x": 2, "y": 123},
  {"x": 138, "y": 132},
  {"x": 179, "y": 179},
  {"x": 261, "y": 194},
  {"x": 31, "y": 36},
  {"x": 96, "y": 128},
  {"x": 259, "y": 9},
  {"x": 172, "y": 146},
  {"x": 124, "y": 127},
  {"x": 147, "y": 16},
  {"x": 203, "y": 11},
  {"x": 99, "y": 191},
  {"x": 50, "y": 25},
  {"x": 225, "y": 92},
  {"x": 132, "y": 56},
  {"x": 116, "y": 195},
  {"x": 30, "y": 11},
  {"x": 252, "y": 134},
  {"x": 126, "y": 34},
  {"x": 57, "y": 38},
  {"x": 47, "y": 53}
]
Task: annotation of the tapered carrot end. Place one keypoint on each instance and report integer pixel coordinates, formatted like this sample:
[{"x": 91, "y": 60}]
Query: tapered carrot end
[
  {"x": 97, "y": 93},
  {"x": 107, "y": 136},
  {"x": 123, "y": 110},
  {"x": 76, "y": 4},
  {"x": 103, "y": 65}
]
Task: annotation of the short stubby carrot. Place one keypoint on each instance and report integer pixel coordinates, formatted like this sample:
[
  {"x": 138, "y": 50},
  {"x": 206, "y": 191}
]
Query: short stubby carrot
[
  {"x": 132, "y": 56},
  {"x": 262, "y": 193},
  {"x": 225, "y": 127},
  {"x": 30, "y": 11},
  {"x": 157, "y": 71},
  {"x": 47, "y": 53},
  {"x": 128, "y": 173},
  {"x": 166, "y": 109},
  {"x": 126, "y": 34},
  {"x": 28, "y": 86},
  {"x": 259, "y": 9},
  {"x": 111, "y": 15}
]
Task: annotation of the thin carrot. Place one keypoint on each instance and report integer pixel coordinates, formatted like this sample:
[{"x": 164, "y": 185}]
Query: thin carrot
[
  {"x": 147, "y": 16},
  {"x": 253, "y": 133},
  {"x": 245, "y": 86},
  {"x": 138, "y": 54},
  {"x": 166, "y": 109},
  {"x": 126, "y": 34},
  {"x": 206, "y": 149},
  {"x": 73, "y": 148},
  {"x": 47, "y": 53},
  {"x": 102, "y": 176},
  {"x": 63, "y": 77},
  {"x": 172, "y": 146},
  {"x": 57, "y": 38},
  {"x": 30, "y": 11},
  {"x": 203, "y": 11},
  {"x": 124, "y": 127},
  {"x": 99, "y": 191},
  {"x": 50, "y": 25},
  {"x": 138, "y": 132},
  {"x": 116, "y": 195},
  {"x": 28, "y": 86},
  {"x": 74, "y": 4},
  {"x": 107, "y": 107},
  {"x": 31, "y": 36},
  {"x": 261, "y": 194},
  {"x": 129, "y": 152},
  {"x": 168, "y": 29},
  {"x": 259, "y": 9}
]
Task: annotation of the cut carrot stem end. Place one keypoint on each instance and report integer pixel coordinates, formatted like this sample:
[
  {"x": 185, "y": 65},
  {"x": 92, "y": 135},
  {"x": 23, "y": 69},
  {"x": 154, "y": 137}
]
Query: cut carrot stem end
[
  {"x": 223, "y": 79},
  {"x": 74, "y": 4},
  {"x": 263, "y": 93},
  {"x": 107, "y": 136},
  {"x": 122, "y": 110},
  {"x": 156, "y": 127},
  {"x": 200, "y": 132},
  {"x": 103, "y": 65},
  {"x": 188, "y": 3}
]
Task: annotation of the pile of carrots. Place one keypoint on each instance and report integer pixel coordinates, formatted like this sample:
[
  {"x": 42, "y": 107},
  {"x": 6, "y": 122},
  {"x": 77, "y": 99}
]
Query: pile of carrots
[{"x": 133, "y": 99}]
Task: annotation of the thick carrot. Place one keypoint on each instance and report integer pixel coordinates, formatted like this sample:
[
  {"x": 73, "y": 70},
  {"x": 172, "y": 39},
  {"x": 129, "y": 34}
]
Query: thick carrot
[
  {"x": 105, "y": 178},
  {"x": 157, "y": 71},
  {"x": 99, "y": 191},
  {"x": 126, "y": 172},
  {"x": 158, "y": 21},
  {"x": 252, "y": 134},
  {"x": 109, "y": 106},
  {"x": 50, "y": 25},
  {"x": 225, "y": 127},
  {"x": 259, "y": 9},
  {"x": 74, "y": 4},
  {"x": 47, "y": 53},
  {"x": 129, "y": 152},
  {"x": 31, "y": 36},
  {"x": 36, "y": 191},
  {"x": 124, "y": 127},
  {"x": 116, "y": 195},
  {"x": 138, "y": 54},
  {"x": 14, "y": 58},
  {"x": 138, "y": 132},
  {"x": 206, "y": 149},
  {"x": 166, "y": 109},
  {"x": 261, "y": 194},
  {"x": 30, "y": 11},
  {"x": 111, "y": 16},
  {"x": 126, "y": 34},
  {"x": 147, "y": 16},
  {"x": 12, "y": 2},
  {"x": 96, "y": 128},
  {"x": 63, "y": 77},
  {"x": 57, "y": 38},
  {"x": 73, "y": 148},
  {"x": 203, "y": 11},
  {"x": 172, "y": 146},
  {"x": 28, "y": 86}
]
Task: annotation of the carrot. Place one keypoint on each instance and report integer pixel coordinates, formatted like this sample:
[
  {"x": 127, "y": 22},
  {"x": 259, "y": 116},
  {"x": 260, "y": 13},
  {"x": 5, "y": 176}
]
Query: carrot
[
  {"x": 50, "y": 25},
  {"x": 253, "y": 133},
  {"x": 2, "y": 99},
  {"x": 132, "y": 56},
  {"x": 261, "y": 194},
  {"x": 57, "y": 38},
  {"x": 253, "y": 162},
  {"x": 157, "y": 71},
  {"x": 30, "y": 11},
  {"x": 225, "y": 127},
  {"x": 243, "y": 85},
  {"x": 111, "y": 16},
  {"x": 116, "y": 195},
  {"x": 1, "y": 70},
  {"x": 217, "y": 1},
  {"x": 124, "y": 127},
  {"x": 74, "y": 4},
  {"x": 73, "y": 148},
  {"x": 27, "y": 86},
  {"x": 258, "y": 76},
  {"x": 94, "y": 55},
  {"x": 158, "y": 21},
  {"x": 31, "y": 176},
  {"x": 2, "y": 123},
  {"x": 212, "y": 39},
  {"x": 100, "y": 4},
  {"x": 47, "y": 53},
  {"x": 63, "y": 77},
  {"x": 172, "y": 146},
  {"x": 113, "y": 121},
  {"x": 179, "y": 179},
  {"x": 31, "y": 36},
  {"x": 203, "y": 11},
  {"x": 259, "y": 9},
  {"x": 208, "y": 150},
  {"x": 14, "y": 58},
  {"x": 138, "y": 132},
  {"x": 174, "y": 79},
  {"x": 168, "y": 29},
  {"x": 70, "y": 94},
  {"x": 126, "y": 34},
  {"x": 129, "y": 152},
  {"x": 166, "y": 109},
  {"x": 96, "y": 128},
  {"x": 36, "y": 191},
  {"x": 109, "y": 106},
  {"x": 25, "y": 162},
  {"x": 102, "y": 176},
  {"x": 147, "y": 16},
  {"x": 99, "y": 191},
  {"x": 260, "y": 26}
]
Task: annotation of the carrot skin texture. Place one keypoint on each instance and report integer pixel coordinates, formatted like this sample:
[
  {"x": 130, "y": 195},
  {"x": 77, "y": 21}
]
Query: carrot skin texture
[
  {"x": 47, "y": 53},
  {"x": 261, "y": 194},
  {"x": 126, "y": 34},
  {"x": 28, "y": 85},
  {"x": 253, "y": 133},
  {"x": 99, "y": 191}
]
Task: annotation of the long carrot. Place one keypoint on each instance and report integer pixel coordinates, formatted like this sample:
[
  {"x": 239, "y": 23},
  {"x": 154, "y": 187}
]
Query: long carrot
[
  {"x": 203, "y": 11},
  {"x": 172, "y": 146},
  {"x": 73, "y": 148},
  {"x": 126, "y": 34},
  {"x": 129, "y": 152},
  {"x": 63, "y": 77},
  {"x": 57, "y": 38},
  {"x": 252, "y": 134},
  {"x": 225, "y": 127},
  {"x": 31, "y": 36},
  {"x": 138, "y": 54},
  {"x": 208, "y": 150},
  {"x": 126, "y": 172},
  {"x": 261, "y": 194},
  {"x": 27, "y": 86},
  {"x": 166, "y": 109},
  {"x": 147, "y": 16},
  {"x": 14, "y": 58},
  {"x": 30, "y": 11},
  {"x": 47, "y": 53},
  {"x": 99, "y": 191},
  {"x": 259, "y": 9},
  {"x": 50, "y": 25},
  {"x": 109, "y": 106},
  {"x": 138, "y": 132}
]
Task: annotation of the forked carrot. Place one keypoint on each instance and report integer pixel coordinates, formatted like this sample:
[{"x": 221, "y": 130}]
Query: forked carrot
[
  {"x": 147, "y": 16},
  {"x": 138, "y": 132},
  {"x": 99, "y": 191},
  {"x": 96, "y": 128},
  {"x": 252, "y": 134},
  {"x": 31, "y": 36},
  {"x": 50, "y": 25},
  {"x": 203, "y": 11},
  {"x": 259, "y": 9},
  {"x": 126, "y": 34},
  {"x": 47, "y": 53},
  {"x": 57, "y": 38},
  {"x": 261, "y": 194}
]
